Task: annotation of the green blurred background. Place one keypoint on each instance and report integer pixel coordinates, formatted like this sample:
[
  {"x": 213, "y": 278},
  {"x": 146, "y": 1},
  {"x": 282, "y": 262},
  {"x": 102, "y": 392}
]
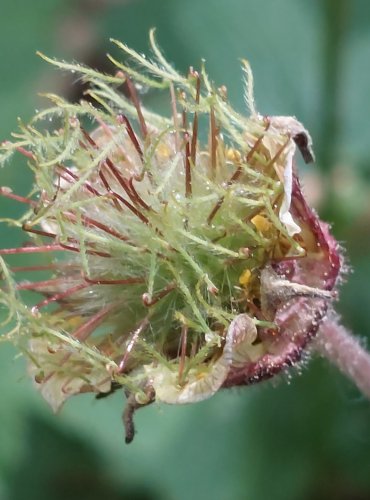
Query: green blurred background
[{"x": 304, "y": 438}]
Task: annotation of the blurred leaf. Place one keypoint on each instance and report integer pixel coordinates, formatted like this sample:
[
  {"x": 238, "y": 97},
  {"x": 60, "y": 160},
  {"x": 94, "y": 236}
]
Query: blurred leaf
[
  {"x": 61, "y": 465},
  {"x": 309, "y": 439}
]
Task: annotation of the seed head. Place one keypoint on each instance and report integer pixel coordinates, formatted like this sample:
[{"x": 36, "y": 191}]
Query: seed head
[{"x": 179, "y": 252}]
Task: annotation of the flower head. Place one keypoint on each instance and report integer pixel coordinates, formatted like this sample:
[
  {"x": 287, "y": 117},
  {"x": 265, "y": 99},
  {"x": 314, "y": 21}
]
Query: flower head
[{"x": 175, "y": 264}]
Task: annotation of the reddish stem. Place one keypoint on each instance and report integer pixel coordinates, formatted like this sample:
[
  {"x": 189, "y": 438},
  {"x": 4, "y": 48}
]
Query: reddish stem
[
  {"x": 109, "y": 190},
  {"x": 136, "y": 195},
  {"x": 58, "y": 296},
  {"x": 26, "y": 153},
  {"x": 136, "y": 101},
  {"x": 126, "y": 281},
  {"x": 279, "y": 152},
  {"x": 345, "y": 351},
  {"x": 88, "y": 221},
  {"x": 149, "y": 301},
  {"x": 188, "y": 186},
  {"x": 132, "y": 194},
  {"x": 236, "y": 176},
  {"x": 87, "y": 328},
  {"x": 122, "y": 200},
  {"x": 213, "y": 140},
  {"x": 32, "y": 249},
  {"x": 47, "y": 267},
  {"x": 89, "y": 252},
  {"x": 40, "y": 232},
  {"x": 194, "y": 136},
  {"x": 7, "y": 193},
  {"x": 75, "y": 177},
  {"x": 34, "y": 285},
  {"x": 130, "y": 132}
]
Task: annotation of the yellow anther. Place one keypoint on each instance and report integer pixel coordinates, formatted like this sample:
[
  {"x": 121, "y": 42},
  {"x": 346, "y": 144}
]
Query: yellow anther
[
  {"x": 245, "y": 277},
  {"x": 261, "y": 223}
]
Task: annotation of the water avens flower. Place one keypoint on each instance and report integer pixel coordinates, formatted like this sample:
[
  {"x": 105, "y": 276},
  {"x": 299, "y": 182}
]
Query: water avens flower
[{"x": 178, "y": 254}]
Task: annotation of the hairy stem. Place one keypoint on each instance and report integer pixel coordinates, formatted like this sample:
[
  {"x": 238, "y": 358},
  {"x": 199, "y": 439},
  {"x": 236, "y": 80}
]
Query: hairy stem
[{"x": 345, "y": 351}]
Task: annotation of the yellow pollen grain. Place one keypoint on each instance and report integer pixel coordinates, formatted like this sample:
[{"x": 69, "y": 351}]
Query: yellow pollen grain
[
  {"x": 261, "y": 223},
  {"x": 245, "y": 277}
]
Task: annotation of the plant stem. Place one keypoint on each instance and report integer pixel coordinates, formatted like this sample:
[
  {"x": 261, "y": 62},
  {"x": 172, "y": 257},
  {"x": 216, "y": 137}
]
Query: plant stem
[{"x": 345, "y": 351}]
